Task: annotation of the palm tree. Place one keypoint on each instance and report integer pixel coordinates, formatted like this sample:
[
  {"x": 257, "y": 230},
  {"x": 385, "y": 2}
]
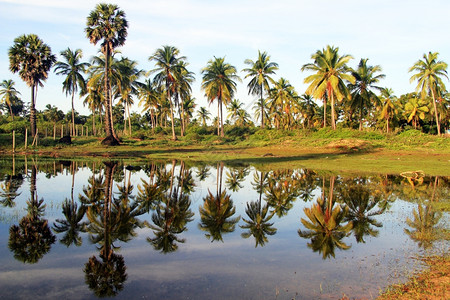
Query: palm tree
[
  {"x": 183, "y": 91},
  {"x": 9, "y": 93},
  {"x": 219, "y": 83},
  {"x": 330, "y": 73},
  {"x": 149, "y": 99},
  {"x": 260, "y": 109},
  {"x": 388, "y": 107},
  {"x": 32, "y": 59},
  {"x": 72, "y": 69},
  {"x": 282, "y": 97},
  {"x": 362, "y": 95},
  {"x": 429, "y": 73},
  {"x": 168, "y": 67},
  {"x": 204, "y": 115},
  {"x": 415, "y": 109},
  {"x": 259, "y": 72},
  {"x": 233, "y": 109},
  {"x": 128, "y": 85},
  {"x": 107, "y": 23}
]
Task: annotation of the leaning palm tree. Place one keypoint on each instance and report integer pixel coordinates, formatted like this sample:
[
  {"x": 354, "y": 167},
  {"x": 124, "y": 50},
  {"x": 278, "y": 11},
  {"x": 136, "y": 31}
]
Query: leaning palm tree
[
  {"x": 8, "y": 93},
  {"x": 169, "y": 65},
  {"x": 331, "y": 72},
  {"x": 429, "y": 73},
  {"x": 259, "y": 72},
  {"x": 362, "y": 95},
  {"x": 32, "y": 59},
  {"x": 107, "y": 23},
  {"x": 72, "y": 68},
  {"x": 219, "y": 83}
]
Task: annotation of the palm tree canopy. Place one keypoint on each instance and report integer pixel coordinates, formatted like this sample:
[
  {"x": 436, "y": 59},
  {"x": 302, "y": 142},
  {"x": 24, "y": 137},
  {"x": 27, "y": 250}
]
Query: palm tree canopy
[
  {"x": 168, "y": 64},
  {"x": 108, "y": 23},
  {"x": 259, "y": 72},
  {"x": 31, "y": 58},
  {"x": 8, "y": 91},
  {"x": 330, "y": 72},
  {"x": 366, "y": 80},
  {"x": 219, "y": 80},
  {"x": 72, "y": 68},
  {"x": 429, "y": 73}
]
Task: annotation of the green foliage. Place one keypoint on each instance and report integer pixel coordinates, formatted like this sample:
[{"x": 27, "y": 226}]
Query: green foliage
[{"x": 17, "y": 125}]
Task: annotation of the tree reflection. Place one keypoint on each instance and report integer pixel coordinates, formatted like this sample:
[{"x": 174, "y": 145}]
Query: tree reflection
[
  {"x": 217, "y": 211},
  {"x": 281, "y": 191},
  {"x": 72, "y": 225},
  {"x": 325, "y": 229},
  {"x": 32, "y": 238},
  {"x": 172, "y": 212},
  {"x": 258, "y": 224},
  {"x": 9, "y": 190},
  {"x": 424, "y": 226},
  {"x": 361, "y": 203}
]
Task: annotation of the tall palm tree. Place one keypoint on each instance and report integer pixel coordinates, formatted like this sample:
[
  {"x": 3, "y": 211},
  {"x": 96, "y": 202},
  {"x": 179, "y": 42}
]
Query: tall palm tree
[
  {"x": 183, "y": 91},
  {"x": 330, "y": 73},
  {"x": 72, "y": 69},
  {"x": 204, "y": 115},
  {"x": 9, "y": 93},
  {"x": 233, "y": 109},
  {"x": 32, "y": 59},
  {"x": 259, "y": 71},
  {"x": 362, "y": 95},
  {"x": 169, "y": 65},
  {"x": 107, "y": 23},
  {"x": 429, "y": 73},
  {"x": 219, "y": 83},
  {"x": 128, "y": 85}
]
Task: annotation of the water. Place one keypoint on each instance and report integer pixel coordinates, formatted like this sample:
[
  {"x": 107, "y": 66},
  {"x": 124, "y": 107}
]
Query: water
[{"x": 168, "y": 242}]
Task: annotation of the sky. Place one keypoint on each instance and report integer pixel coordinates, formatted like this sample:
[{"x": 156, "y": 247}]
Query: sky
[{"x": 391, "y": 33}]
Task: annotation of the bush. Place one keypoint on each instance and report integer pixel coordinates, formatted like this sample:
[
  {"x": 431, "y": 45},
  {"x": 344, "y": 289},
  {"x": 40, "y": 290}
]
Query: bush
[{"x": 19, "y": 126}]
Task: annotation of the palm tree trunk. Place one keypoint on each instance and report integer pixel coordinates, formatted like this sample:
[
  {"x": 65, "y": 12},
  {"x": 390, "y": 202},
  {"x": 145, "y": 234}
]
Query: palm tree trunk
[
  {"x": 221, "y": 120},
  {"x": 108, "y": 125},
  {"x": 129, "y": 119},
  {"x": 218, "y": 117},
  {"x": 333, "y": 121},
  {"x": 436, "y": 113},
  {"x": 10, "y": 111},
  {"x": 360, "y": 116},
  {"x": 33, "y": 112},
  {"x": 73, "y": 110},
  {"x": 324, "y": 112},
  {"x": 262, "y": 108},
  {"x": 174, "y": 137}
]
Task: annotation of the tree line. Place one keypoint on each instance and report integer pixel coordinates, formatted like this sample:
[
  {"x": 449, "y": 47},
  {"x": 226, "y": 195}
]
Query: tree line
[{"x": 349, "y": 97}]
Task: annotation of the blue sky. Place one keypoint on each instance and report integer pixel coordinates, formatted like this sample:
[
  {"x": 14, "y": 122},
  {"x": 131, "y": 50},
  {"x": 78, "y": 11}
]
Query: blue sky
[{"x": 393, "y": 34}]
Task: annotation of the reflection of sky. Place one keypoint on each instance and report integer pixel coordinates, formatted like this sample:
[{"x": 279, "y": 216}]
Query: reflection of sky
[{"x": 204, "y": 270}]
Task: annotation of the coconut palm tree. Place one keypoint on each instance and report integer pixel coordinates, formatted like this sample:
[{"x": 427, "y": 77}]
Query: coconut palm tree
[
  {"x": 259, "y": 71},
  {"x": 429, "y": 73},
  {"x": 388, "y": 106},
  {"x": 261, "y": 108},
  {"x": 415, "y": 109},
  {"x": 169, "y": 66},
  {"x": 331, "y": 72},
  {"x": 107, "y": 24},
  {"x": 219, "y": 83},
  {"x": 8, "y": 93},
  {"x": 233, "y": 109},
  {"x": 32, "y": 59},
  {"x": 183, "y": 92},
  {"x": 362, "y": 95},
  {"x": 282, "y": 97},
  {"x": 127, "y": 86},
  {"x": 72, "y": 68},
  {"x": 149, "y": 99},
  {"x": 204, "y": 115}
]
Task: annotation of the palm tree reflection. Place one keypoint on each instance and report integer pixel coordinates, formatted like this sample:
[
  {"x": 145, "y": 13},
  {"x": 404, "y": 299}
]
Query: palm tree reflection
[
  {"x": 258, "y": 224},
  {"x": 425, "y": 230},
  {"x": 325, "y": 229},
  {"x": 217, "y": 211}
]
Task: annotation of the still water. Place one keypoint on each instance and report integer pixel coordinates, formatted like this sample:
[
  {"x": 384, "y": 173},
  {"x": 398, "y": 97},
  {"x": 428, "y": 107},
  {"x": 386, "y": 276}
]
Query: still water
[{"x": 175, "y": 231}]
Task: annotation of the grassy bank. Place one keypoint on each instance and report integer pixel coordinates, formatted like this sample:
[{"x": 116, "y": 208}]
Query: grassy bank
[
  {"x": 432, "y": 283},
  {"x": 341, "y": 150}
]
